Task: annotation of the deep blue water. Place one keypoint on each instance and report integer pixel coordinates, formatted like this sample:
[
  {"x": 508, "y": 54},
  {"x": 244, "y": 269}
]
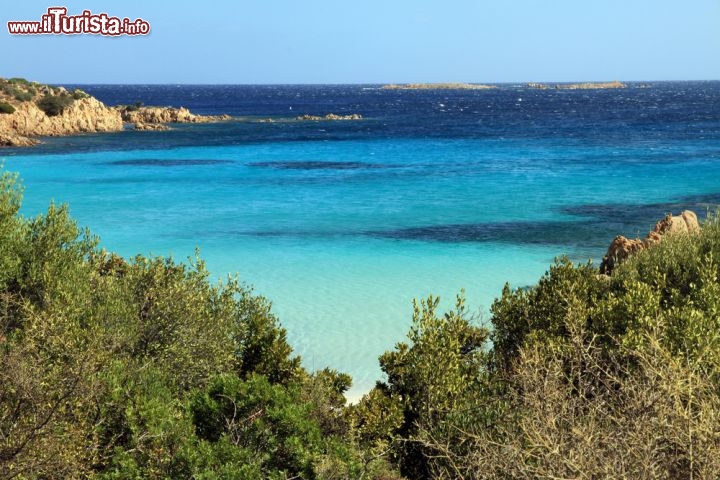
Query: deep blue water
[{"x": 342, "y": 224}]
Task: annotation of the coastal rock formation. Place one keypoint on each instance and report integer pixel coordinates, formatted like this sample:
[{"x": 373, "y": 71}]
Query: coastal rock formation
[
  {"x": 437, "y": 86},
  {"x": 622, "y": 248},
  {"x": 151, "y": 126},
  {"x": 155, "y": 115},
  {"x": 330, "y": 116},
  {"x": 578, "y": 86},
  {"x": 41, "y": 110},
  {"x": 29, "y": 109},
  {"x": 11, "y": 140}
]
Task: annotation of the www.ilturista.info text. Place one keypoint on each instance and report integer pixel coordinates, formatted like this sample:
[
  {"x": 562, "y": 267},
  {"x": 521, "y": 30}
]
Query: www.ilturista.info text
[{"x": 56, "y": 21}]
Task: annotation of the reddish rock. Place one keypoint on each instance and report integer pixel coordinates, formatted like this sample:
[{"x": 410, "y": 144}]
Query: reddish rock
[{"x": 622, "y": 248}]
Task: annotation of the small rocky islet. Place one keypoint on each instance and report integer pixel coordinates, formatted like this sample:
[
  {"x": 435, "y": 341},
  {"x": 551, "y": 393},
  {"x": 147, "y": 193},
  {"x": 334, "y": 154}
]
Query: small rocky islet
[
  {"x": 578, "y": 86},
  {"x": 437, "y": 86}
]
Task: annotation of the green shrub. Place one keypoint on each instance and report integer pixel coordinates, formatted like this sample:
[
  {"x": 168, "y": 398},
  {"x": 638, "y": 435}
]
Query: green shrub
[
  {"x": 6, "y": 108},
  {"x": 19, "y": 81},
  {"x": 78, "y": 94},
  {"x": 23, "y": 96},
  {"x": 133, "y": 107},
  {"x": 54, "y": 105},
  {"x": 257, "y": 416},
  {"x": 419, "y": 397}
]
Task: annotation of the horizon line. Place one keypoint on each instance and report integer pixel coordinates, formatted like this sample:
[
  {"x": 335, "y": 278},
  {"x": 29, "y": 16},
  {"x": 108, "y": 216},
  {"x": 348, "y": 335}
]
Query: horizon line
[{"x": 379, "y": 83}]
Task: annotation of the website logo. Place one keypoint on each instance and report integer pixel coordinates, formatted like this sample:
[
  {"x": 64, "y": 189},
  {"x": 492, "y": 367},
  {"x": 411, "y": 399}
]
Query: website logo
[{"x": 57, "y": 22}]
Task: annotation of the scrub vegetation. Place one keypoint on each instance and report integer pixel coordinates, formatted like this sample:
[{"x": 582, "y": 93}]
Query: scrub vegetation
[{"x": 146, "y": 368}]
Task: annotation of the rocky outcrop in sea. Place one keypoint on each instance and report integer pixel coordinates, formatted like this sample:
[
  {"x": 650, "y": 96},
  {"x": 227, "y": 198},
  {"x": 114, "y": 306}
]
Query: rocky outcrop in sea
[
  {"x": 578, "y": 86},
  {"x": 437, "y": 86},
  {"x": 162, "y": 115},
  {"x": 330, "y": 116}
]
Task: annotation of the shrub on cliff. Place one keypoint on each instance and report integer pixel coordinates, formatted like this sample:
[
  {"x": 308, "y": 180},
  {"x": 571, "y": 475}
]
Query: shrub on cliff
[
  {"x": 18, "y": 88},
  {"x": 6, "y": 108},
  {"x": 54, "y": 105},
  {"x": 19, "y": 81},
  {"x": 133, "y": 107},
  {"x": 24, "y": 96},
  {"x": 78, "y": 94}
]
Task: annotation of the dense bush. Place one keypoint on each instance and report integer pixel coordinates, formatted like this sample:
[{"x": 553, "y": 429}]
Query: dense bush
[
  {"x": 433, "y": 375},
  {"x": 144, "y": 368},
  {"x": 54, "y": 105},
  {"x": 6, "y": 108}
]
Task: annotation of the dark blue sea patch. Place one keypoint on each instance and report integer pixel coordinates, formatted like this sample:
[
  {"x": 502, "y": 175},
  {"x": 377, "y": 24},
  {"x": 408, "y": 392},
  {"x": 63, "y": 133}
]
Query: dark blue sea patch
[
  {"x": 570, "y": 233},
  {"x": 167, "y": 162},
  {"x": 640, "y": 215},
  {"x": 314, "y": 165},
  {"x": 600, "y": 224}
]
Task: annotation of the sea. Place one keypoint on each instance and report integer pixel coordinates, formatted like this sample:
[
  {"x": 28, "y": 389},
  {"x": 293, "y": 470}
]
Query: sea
[{"x": 342, "y": 224}]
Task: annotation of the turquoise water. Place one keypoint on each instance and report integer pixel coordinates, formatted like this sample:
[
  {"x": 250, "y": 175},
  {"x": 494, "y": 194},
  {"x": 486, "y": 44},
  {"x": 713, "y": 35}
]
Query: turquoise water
[{"x": 343, "y": 233}]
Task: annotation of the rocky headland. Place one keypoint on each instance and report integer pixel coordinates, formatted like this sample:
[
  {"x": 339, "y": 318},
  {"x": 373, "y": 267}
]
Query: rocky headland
[
  {"x": 578, "y": 86},
  {"x": 437, "y": 86},
  {"x": 30, "y": 109},
  {"x": 622, "y": 248}
]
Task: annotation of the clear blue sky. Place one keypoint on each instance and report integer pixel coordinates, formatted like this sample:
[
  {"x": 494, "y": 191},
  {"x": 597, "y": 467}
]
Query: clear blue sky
[{"x": 374, "y": 41}]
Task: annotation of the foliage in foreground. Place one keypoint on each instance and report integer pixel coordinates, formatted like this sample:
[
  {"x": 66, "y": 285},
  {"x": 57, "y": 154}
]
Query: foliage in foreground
[
  {"x": 143, "y": 368},
  {"x": 582, "y": 376}
]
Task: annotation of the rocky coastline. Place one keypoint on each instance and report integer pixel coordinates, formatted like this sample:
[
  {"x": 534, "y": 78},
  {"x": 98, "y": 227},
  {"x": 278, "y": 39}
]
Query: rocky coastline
[{"x": 30, "y": 109}]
